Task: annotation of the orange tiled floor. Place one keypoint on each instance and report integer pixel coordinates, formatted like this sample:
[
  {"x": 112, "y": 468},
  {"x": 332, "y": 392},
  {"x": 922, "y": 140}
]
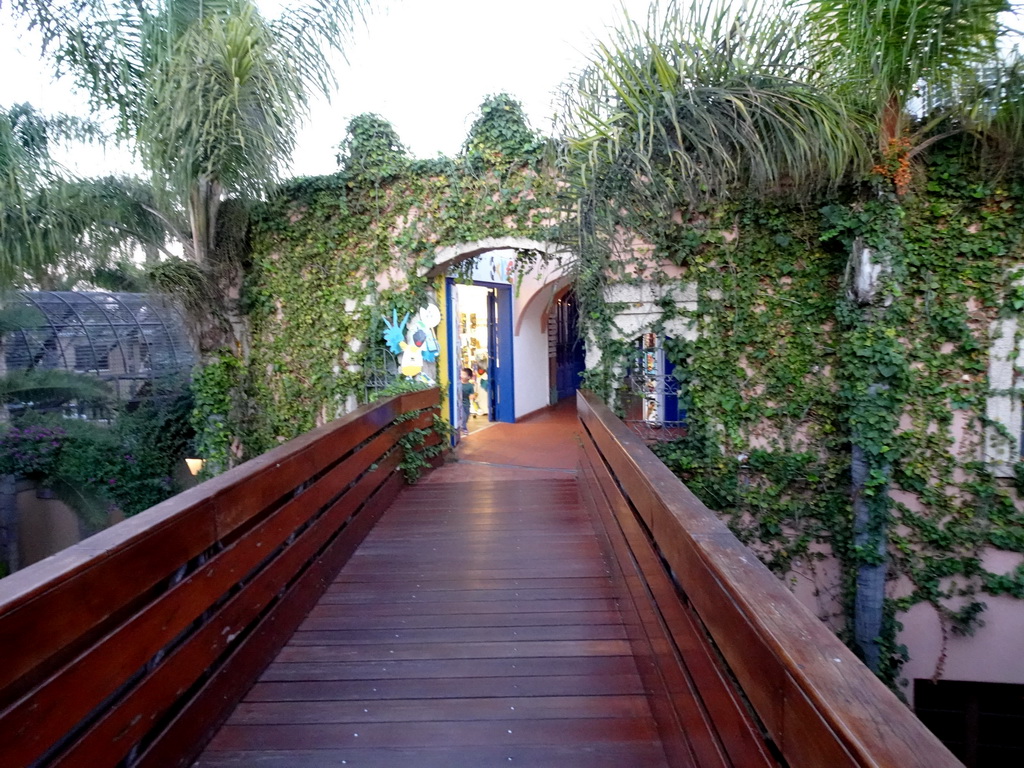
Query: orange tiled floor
[{"x": 543, "y": 444}]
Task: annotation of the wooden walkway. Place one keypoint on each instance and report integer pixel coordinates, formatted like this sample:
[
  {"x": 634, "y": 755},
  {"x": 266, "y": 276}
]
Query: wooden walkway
[
  {"x": 553, "y": 598},
  {"x": 478, "y": 625}
]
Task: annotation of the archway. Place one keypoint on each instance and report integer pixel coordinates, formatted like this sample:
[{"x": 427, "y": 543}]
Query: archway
[
  {"x": 451, "y": 255},
  {"x": 507, "y": 338}
]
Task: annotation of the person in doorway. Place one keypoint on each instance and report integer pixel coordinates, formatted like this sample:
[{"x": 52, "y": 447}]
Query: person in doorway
[
  {"x": 480, "y": 404},
  {"x": 468, "y": 389}
]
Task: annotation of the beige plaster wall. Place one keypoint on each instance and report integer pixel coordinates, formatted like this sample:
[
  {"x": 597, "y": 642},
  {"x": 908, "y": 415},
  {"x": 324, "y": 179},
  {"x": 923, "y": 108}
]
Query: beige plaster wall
[
  {"x": 45, "y": 527},
  {"x": 993, "y": 654},
  {"x": 48, "y": 525}
]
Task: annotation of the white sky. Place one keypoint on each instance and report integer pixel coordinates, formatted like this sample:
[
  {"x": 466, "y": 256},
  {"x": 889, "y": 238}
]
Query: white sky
[{"x": 424, "y": 65}]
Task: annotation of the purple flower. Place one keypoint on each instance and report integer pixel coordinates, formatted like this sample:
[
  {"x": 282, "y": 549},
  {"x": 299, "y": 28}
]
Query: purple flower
[{"x": 30, "y": 450}]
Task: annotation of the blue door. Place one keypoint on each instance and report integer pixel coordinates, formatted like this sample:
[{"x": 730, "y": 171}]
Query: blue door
[
  {"x": 500, "y": 380},
  {"x": 499, "y": 327}
]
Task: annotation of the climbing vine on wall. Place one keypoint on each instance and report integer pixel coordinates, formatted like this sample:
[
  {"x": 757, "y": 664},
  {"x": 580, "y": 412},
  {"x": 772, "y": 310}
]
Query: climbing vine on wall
[
  {"x": 765, "y": 442},
  {"x": 215, "y": 412},
  {"x": 778, "y": 368},
  {"x": 334, "y": 255},
  {"x": 783, "y": 366}
]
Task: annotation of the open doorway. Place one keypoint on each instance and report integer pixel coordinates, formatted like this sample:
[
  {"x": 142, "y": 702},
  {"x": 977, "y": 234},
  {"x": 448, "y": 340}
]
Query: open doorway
[
  {"x": 480, "y": 334},
  {"x": 567, "y": 353}
]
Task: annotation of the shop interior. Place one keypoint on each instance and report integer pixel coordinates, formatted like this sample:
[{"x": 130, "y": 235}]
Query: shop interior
[{"x": 474, "y": 352}]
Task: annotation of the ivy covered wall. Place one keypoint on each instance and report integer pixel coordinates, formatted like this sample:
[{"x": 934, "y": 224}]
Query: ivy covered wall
[
  {"x": 333, "y": 256},
  {"x": 777, "y": 362}
]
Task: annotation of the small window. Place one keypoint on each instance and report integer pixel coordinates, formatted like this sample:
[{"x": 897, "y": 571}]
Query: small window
[
  {"x": 1004, "y": 438},
  {"x": 652, "y": 398},
  {"x": 981, "y": 723}
]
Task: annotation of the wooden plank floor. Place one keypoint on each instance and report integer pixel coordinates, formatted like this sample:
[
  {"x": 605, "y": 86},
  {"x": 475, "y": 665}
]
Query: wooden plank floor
[{"x": 477, "y": 625}]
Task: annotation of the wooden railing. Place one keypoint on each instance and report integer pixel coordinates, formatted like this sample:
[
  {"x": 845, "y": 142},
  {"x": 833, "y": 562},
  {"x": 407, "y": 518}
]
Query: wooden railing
[
  {"x": 818, "y": 704},
  {"x": 136, "y": 643}
]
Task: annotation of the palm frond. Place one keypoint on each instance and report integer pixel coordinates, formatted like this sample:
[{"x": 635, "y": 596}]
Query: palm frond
[
  {"x": 896, "y": 50},
  {"x": 223, "y": 106},
  {"x": 991, "y": 101},
  {"x": 121, "y": 277},
  {"x": 310, "y": 31},
  {"x": 184, "y": 280},
  {"x": 42, "y": 215},
  {"x": 57, "y": 225},
  {"x": 704, "y": 100}
]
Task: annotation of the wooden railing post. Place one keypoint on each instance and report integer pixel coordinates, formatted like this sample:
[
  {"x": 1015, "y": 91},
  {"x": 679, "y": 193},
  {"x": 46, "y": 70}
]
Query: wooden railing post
[
  {"x": 820, "y": 706},
  {"x": 139, "y": 640}
]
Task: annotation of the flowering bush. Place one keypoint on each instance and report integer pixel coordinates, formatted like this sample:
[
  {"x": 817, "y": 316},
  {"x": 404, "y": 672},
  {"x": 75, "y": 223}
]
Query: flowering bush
[
  {"x": 128, "y": 464},
  {"x": 31, "y": 451}
]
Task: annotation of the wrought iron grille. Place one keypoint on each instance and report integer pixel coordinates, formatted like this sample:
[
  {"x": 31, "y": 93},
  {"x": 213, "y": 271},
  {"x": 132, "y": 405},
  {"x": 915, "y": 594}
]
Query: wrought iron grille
[
  {"x": 651, "y": 398},
  {"x": 380, "y": 370}
]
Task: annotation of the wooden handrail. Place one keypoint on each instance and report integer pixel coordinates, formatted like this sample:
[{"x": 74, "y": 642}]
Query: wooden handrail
[
  {"x": 138, "y": 641},
  {"x": 817, "y": 702}
]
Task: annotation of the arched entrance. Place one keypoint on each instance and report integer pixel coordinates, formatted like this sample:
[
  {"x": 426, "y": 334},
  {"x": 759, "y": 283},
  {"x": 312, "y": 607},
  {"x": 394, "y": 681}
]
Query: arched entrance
[
  {"x": 481, "y": 340},
  {"x": 496, "y": 322}
]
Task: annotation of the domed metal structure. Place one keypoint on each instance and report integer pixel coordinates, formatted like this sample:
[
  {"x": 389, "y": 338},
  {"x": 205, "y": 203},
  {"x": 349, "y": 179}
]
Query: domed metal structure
[{"x": 125, "y": 339}]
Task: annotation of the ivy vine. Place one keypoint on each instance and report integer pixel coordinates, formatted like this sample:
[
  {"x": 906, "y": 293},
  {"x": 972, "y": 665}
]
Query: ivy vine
[
  {"x": 315, "y": 296},
  {"x": 786, "y": 373},
  {"x": 781, "y": 372}
]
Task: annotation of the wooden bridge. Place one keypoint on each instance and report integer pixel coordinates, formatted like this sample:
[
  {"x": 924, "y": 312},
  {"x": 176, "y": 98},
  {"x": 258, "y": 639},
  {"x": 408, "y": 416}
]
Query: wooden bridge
[{"x": 308, "y": 609}]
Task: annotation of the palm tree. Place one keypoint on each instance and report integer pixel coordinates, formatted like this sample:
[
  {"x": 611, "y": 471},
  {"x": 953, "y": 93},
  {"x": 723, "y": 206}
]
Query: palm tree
[
  {"x": 911, "y": 68},
  {"x": 209, "y": 92},
  {"x": 789, "y": 97},
  {"x": 897, "y": 60},
  {"x": 705, "y": 101}
]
